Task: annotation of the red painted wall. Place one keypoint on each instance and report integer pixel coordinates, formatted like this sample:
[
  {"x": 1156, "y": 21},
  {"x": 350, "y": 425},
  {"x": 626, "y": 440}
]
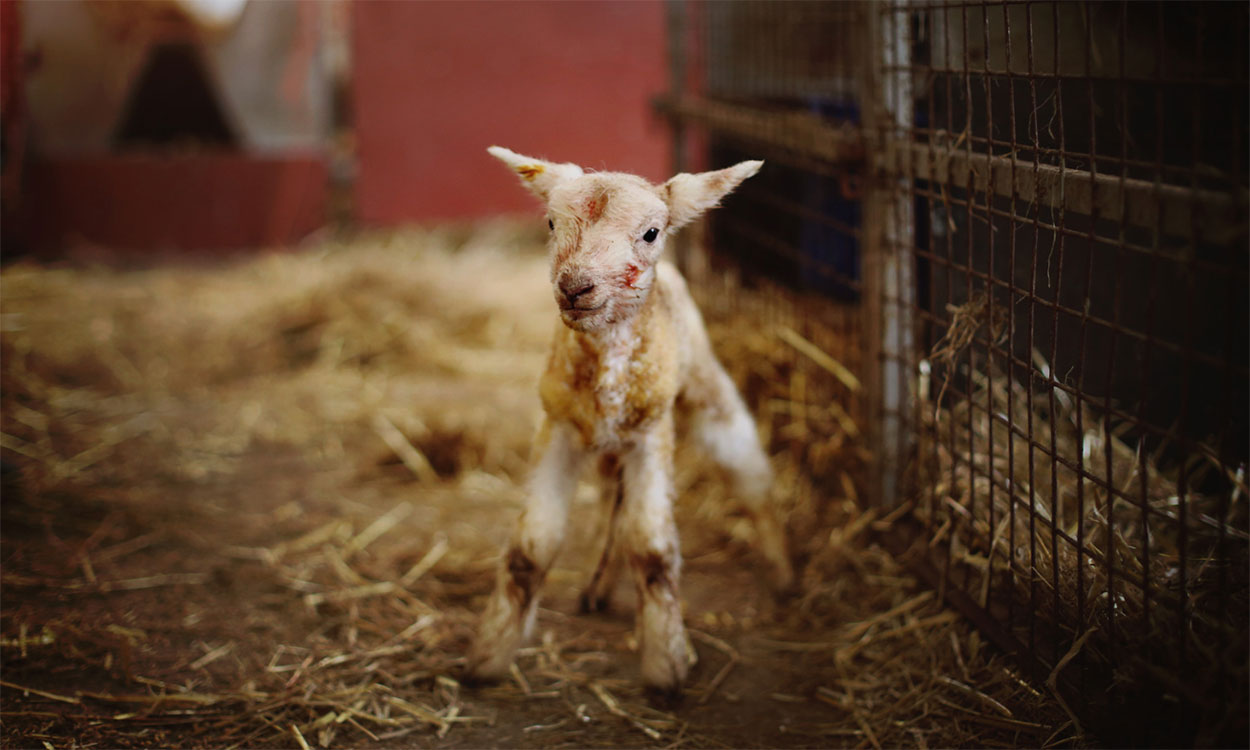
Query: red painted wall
[
  {"x": 206, "y": 202},
  {"x": 12, "y": 236},
  {"x": 435, "y": 83}
]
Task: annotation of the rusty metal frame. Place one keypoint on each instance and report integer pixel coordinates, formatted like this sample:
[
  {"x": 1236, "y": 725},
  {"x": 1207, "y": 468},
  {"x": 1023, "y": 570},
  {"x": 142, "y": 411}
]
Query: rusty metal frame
[{"x": 888, "y": 272}]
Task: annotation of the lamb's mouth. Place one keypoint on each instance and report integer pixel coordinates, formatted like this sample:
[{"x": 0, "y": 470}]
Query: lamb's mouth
[
  {"x": 577, "y": 313},
  {"x": 582, "y": 318}
]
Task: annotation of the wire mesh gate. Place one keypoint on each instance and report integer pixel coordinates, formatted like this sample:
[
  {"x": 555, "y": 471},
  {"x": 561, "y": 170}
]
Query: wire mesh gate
[{"x": 1017, "y": 235}]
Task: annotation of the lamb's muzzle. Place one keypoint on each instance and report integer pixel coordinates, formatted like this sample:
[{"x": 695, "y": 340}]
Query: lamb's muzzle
[
  {"x": 572, "y": 288},
  {"x": 632, "y": 345}
]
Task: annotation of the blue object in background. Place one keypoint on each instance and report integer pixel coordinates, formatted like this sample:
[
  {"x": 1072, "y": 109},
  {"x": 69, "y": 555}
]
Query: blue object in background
[{"x": 829, "y": 248}]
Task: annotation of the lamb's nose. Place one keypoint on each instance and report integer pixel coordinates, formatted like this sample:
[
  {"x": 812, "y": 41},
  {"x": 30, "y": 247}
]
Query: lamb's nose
[{"x": 573, "y": 287}]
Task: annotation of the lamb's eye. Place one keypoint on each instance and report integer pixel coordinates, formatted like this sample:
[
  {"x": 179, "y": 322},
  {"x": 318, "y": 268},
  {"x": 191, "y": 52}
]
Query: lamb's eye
[
  {"x": 650, "y": 235},
  {"x": 551, "y": 225}
]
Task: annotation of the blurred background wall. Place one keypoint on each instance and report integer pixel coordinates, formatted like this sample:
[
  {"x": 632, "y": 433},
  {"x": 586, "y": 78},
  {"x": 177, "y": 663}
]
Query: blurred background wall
[
  {"x": 154, "y": 126},
  {"x": 434, "y": 84},
  {"x": 159, "y": 126}
]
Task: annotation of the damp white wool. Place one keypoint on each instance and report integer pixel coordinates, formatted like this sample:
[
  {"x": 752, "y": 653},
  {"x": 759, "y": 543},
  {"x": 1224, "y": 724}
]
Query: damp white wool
[{"x": 629, "y": 347}]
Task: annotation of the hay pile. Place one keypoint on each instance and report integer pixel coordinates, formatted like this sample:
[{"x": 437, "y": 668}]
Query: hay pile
[
  {"x": 258, "y": 505},
  {"x": 1008, "y": 519}
]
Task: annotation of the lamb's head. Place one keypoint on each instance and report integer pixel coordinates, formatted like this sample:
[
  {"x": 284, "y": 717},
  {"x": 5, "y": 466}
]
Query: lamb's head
[{"x": 608, "y": 230}]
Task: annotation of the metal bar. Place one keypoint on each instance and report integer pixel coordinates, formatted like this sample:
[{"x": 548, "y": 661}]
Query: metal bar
[
  {"x": 989, "y": 297},
  {"x": 1081, "y": 369},
  {"x": 1057, "y": 603},
  {"x": 677, "y": 55},
  {"x": 1011, "y": 328},
  {"x": 788, "y": 129},
  {"x": 890, "y": 225},
  {"x": 875, "y": 211},
  {"x": 1035, "y": 128},
  {"x": 1189, "y": 282},
  {"x": 1079, "y": 76},
  {"x": 1109, "y": 511},
  {"x": 1147, "y": 166},
  {"x": 678, "y": 40},
  {"x": 1151, "y": 283},
  {"x": 971, "y": 243},
  {"x": 901, "y": 235},
  {"x": 949, "y": 231},
  {"x": 1129, "y": 200},
  {"x": 1233, "y": 291}
]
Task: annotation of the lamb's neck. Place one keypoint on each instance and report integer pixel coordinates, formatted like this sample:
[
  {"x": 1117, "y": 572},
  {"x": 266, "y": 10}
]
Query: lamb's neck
[
  {"x": 622, "y": 338},
  {"x": 615, "y": 341}
]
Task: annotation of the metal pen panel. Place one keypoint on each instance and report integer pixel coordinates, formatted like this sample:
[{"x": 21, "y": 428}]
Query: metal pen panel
[{"x": 1025, "y": 227}]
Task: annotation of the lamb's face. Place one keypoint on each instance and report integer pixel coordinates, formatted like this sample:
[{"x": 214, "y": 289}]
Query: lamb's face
[
  {"x": 608, "y": 230},
  {"x": 607, "y": 233}
]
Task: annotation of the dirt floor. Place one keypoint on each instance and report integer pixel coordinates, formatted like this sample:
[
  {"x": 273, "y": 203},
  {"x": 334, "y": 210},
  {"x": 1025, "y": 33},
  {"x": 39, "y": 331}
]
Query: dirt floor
[{"x": 258, "y": 503}]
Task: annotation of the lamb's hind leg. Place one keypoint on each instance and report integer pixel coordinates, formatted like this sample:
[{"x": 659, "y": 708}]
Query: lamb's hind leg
[
  {"x": 724, "y": 427},
  {"x": 510, "y": 613},
  {"x": 598, "y": 594}
]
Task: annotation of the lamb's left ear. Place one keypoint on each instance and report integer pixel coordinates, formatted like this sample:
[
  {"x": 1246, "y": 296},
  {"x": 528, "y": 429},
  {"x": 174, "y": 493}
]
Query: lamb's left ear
[
  {"x": 537, "y": 175},
  {"x": 689, "y": 195}
]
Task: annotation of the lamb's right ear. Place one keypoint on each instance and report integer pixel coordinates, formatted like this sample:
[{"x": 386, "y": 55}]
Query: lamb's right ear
[
  {"x": 537, "y": 175},
  {"x": 689, "y": 195}
]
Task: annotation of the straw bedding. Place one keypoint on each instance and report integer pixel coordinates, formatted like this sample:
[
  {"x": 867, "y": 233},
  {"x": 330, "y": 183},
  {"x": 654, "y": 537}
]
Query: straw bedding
[{"x": 257, "y": 505}]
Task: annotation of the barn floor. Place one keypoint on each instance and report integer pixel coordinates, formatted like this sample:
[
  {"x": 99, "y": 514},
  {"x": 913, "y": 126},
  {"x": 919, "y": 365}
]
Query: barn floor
[{"x": 257, "y": 504}]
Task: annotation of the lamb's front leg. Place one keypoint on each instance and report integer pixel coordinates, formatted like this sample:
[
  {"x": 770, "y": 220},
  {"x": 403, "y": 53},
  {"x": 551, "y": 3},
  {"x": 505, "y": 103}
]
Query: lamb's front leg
[
  {"x": 509, "y": 615},
  {"x": 650, "y": 540}
]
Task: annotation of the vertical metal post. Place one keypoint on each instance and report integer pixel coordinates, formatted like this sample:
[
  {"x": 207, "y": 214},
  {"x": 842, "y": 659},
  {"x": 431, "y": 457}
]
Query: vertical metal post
[
  {"x": 675, "y": 20},
  {"x": 889, "y": 236}
]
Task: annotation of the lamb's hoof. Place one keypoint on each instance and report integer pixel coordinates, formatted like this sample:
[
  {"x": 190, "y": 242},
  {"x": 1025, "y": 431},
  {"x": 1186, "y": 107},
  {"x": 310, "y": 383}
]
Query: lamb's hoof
[
  {"x": 471, "y": 679},
  {"x": 783, "y": 583},
  {"x": 785, "y": 592},
  {"x": 664, "y": 698},
  {"x": 481, "y": 671},
  {"x": 587, "y": 604}
]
